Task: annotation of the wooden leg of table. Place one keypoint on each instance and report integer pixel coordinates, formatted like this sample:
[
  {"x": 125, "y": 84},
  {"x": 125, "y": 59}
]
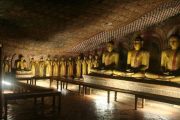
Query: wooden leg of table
[
  {"x": 66, "y": 86},
  {"x": 108, "y": 96},
  {"x": 79, "y": 89},
  {"x": 57, "y": 84},
  {"x": 54, "y": 100},
  {"x": 61, "y": 85},
  {"x": 30, "y": 82},
  {"x": 50, "y": 82},
  {"x": 143, "y": 102},
  {"x": 27, "y": 81},
  {"x": 84, "y": 88},
  {"x": 59, "y": 102},
  {"x": 35, "y": 100},
  {"x": 42, "y": 100},
  {"x": 115, "y": 96},
  {"x": 5, "y": 109},
  {"x": 136, "y": 101},
  {"x": 90, "y": 91},
  {"x": 35, "y": 81}
]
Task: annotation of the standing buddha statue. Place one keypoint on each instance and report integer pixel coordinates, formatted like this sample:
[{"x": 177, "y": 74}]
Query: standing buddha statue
[
  {"x": 33, "y": 66},
  {"x": 62, "y": 64},
  {"x": 48, "y": 67},
  {"x": 70, "y": 67},
  {"x": 41, "y": 67},
  {"x": 6, "y": 65},
  {"x": 96, "y": 61},
  {"x": 84, "y": 66},
  {"x": 78, "y": 67},
  {"x": 55, "y": 64},
  {"x": 89, "y": 64}
]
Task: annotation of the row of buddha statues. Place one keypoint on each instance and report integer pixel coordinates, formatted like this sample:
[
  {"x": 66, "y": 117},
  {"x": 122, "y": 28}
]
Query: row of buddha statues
[
  {"x": 138, "y": 60},
  {"x": 64, "y": 67}
]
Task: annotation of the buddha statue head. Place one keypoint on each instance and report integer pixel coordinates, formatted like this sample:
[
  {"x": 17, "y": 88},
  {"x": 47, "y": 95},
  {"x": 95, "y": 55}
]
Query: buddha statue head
[
  {"x": 79, "y": 57},
  {"x": 55, "y": 59},
  {"x": 41, "y": 59},
  {"x": 90, "y": 57},
  {"x": 22, "y": 58},
  {"x": 85, "y": 58},
  {"x": 174, "y": 42},
  {"x": 70, "y": 58},
  {"x": 32, "y": 59},
  {"x": 138, "y": 43},
  {"x": 109, "y": 46},
  {"x": 96, "y": 57},
  {"x": 62, "y": 59}
]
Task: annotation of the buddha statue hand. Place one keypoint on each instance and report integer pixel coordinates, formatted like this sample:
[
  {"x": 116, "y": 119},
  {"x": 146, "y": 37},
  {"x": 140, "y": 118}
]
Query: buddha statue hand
[
  {"x": 142, "y": 68},
  {"x": 128, "y": 68}
]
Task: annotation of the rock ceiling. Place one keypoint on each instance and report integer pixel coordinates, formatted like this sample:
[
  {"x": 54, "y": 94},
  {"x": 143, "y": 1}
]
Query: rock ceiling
[{"x": 62, "y": 26}]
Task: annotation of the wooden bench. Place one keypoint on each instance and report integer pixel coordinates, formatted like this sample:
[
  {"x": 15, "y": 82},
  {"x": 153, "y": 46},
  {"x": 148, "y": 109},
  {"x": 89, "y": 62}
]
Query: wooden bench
[
  {"x": 160, "y": 98},
  {"x": 137, "y": 95},
  {"x": 25, "y": 91}
]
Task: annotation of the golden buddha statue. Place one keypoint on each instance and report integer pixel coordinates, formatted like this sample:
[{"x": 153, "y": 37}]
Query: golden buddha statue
[
  {"x": 170, "y": 62},
  {"x": 89, "y": 64},
  {"x": 6, "y": 65},
  {"x": 84, "y": 66},
  {"x": 137, "y": 59},
  {"x": 96, "y": 61},
  {"x": 33, "y": 66},
  {"x": 21, "y": 64},
  {"x": 41, "y": 67},
  {"x": 70, "y": 66},
  {"x": 62, "y": 64},
  {"x": 48, "y": 67},
  {"x": 55, "y": 64},
  {"x": 78, "y": 67},
  {"x": 110, "y": 60}
]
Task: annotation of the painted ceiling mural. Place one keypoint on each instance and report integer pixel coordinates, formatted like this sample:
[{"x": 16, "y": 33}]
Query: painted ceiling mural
[{"x": 67, "y": 27}]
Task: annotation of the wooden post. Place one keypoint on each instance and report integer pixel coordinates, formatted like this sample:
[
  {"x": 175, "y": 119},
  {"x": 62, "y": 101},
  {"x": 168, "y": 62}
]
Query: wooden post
[
  {"x": 115, "y": 96},
  {"x": 108, "y": 96},
  {"x": 136, "y": 101},
  {"x": 143, "y": 101},
  {"x": 1, "y": 106}
]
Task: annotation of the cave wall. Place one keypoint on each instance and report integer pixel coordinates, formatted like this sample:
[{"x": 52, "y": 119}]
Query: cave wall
[{"x": 155, "y": 41}]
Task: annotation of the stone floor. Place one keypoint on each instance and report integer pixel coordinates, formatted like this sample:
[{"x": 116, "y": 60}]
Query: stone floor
[{"x": 91, "y": 107}]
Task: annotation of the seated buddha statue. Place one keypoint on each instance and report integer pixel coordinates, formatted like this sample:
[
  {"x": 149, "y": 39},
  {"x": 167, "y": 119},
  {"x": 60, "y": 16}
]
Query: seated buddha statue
[
  {"x": 62, "y": 65},
  {"x": 33, "y": 66},
  {"x": 41, "y": 67},
  {"x": 70, "y": 67},
  {"x": 89, "y": 64},
  {"x": 137, "y": 60},
  {"x": 55, "y": 69},
  {"x": 48, "y": 67},
  {"x": 78, "y": 67},
  {"x": 170, "y": 62},
  {"x": 84, "y": 66},
  {"x": 21, "y": 64},
  {"x": 110, "y": 61}
]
